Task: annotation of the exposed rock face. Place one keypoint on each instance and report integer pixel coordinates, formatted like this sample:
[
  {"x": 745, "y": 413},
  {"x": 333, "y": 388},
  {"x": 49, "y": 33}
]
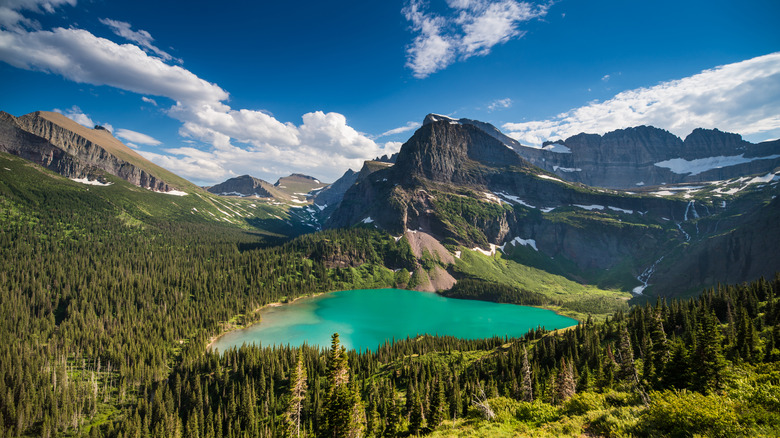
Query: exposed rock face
[
  {"x": 633, "y": 157},
  {"x": 244, "y": 185},
  {"x": 332, "y": 194},
  {"x": 67, "y": 148},
  {"x": 461, "y": 185},
  {"x": 442, "y": 151}
]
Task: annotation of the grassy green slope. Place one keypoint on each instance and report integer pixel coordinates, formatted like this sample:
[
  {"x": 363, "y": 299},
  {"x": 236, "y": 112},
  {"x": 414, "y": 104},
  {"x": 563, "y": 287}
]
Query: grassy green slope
[
  {"x": 562, "y": 294},
  {"x": 137, "y": 206}
]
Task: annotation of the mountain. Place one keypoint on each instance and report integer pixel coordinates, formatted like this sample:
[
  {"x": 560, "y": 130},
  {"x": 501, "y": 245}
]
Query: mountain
[
  {"x": 92, "y": 163},
  {"x": 74, "y": 151},
  {"x": 299, "y": 185},
  {"x": 642, "y": 155},
  {"x": 246, "y": 185},
  {"x": 467, "y": 189},
  {"x": 329, "y": 198}
]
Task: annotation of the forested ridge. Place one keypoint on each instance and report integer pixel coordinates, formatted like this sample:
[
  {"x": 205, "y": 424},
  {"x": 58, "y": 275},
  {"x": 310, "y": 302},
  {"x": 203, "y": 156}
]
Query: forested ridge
[{"x": 106, "y": 317}]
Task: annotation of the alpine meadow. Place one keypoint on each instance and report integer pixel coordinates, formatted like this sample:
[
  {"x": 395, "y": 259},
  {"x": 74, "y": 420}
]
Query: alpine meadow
[{"x": 439, "y": 218}]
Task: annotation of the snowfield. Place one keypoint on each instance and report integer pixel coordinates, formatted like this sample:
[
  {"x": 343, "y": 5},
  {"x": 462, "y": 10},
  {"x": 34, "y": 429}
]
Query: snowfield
[{"x": 694, "y": 167}]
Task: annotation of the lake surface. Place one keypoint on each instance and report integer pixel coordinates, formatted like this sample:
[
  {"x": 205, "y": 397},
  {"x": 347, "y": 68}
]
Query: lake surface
[{"x": 365, "y": 319}]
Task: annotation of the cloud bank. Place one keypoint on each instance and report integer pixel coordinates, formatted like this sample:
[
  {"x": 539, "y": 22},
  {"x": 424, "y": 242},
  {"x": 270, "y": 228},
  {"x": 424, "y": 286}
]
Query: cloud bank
[
  {"x": 743, "y": 97},
  {"x": 471, "y": 28},
  {"x": 238, "y": 140}
]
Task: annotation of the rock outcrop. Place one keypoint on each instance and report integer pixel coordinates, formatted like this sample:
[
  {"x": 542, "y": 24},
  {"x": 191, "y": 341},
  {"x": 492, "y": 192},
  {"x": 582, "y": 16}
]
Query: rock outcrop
[
  {"x": 245, "y": 185},
  {"x": 644, "y": 155},
  {"x": 60, "y": 144},
  {"x": 461, "y": 185}
]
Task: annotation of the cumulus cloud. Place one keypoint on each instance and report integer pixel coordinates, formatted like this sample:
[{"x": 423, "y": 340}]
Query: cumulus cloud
[
  {"x": 410, "y": 126},
  {"x": 742, "y": 97},
  {"x": 500, "y": 104},
  {"x": 78, "y": 116},
  {"x": 324, "y": 145},
  {"x": 82, "y": 57},
  {"x": 11, "y": 16},
  {"x": 149, "y": 100},
  {"x": 142, "y": 37},
  {"x": 238, "y": 140},
  {"x": 137, "y": 137},
  {"x": 471, "y": 28}
]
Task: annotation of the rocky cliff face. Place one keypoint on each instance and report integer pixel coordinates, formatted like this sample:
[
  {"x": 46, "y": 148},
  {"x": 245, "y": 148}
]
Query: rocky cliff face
[
  {"x": 72, "y": 150},
  {"x": 644, "y": 155},
  {"x": 244, "y": 185},
  {"x": 463, "y": 186}
]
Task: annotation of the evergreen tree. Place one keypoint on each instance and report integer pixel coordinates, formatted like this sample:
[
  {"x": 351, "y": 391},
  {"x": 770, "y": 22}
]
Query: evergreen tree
[
  {"x": 707, "y": 362},
  {"x": 438, "y": 407},
  {"x": 525, "y": 370},
  {"x": 340, "y": 401},
  {"x": 294, "y": 411},
  {"x": 565, "y": 386}
]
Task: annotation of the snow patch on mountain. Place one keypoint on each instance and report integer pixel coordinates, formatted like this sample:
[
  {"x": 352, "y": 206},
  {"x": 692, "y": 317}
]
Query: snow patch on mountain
[
  {"x": 557, "y": 148},
  {"x": 566, "y": 169},
  {"x": 525, "y": 242},
  {"x": 682, "y": 166},
  {"x": 93, "y": 182}
]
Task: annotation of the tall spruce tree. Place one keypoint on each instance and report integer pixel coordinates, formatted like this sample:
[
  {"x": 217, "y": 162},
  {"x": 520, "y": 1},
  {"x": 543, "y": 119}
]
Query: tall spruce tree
[
  {"x": 339, "y": 409},
  {"x": 527, "y": 393},
  {"x": 294, "y": 411}
]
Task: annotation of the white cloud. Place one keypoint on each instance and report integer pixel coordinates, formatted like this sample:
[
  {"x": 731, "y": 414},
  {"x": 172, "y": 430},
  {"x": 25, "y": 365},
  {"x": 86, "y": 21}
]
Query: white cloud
[
  {"x": 149, "y": 100},
  {"x": 239, "y": 140},
  {"x": 78, "y": 116},
  {"x": 82, "y": 57},
  {"x": 137, "y": 137},
  {"x": 605, "y": 78},
  {"x": 500, "y": 104},
  {"x": 742, "y": 97},
  {"x": 324, "y": 145},
  {"x": 141, "y": 37},
  {"x": 410, "y": 126},
  {"x": 12, "y": 18},
  {"x": 472, "y": 28}
]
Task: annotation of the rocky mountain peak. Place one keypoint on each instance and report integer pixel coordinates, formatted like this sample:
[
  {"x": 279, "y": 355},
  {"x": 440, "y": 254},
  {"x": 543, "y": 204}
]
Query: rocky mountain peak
[
  {"x": 444, "y": 150},
  {"x": 712, "y": 142},
  {"x": 244, "y": 185}
]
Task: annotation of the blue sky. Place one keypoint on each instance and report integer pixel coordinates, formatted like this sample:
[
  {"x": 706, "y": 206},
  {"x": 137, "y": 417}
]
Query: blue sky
[{"x": 213, "y": 90}]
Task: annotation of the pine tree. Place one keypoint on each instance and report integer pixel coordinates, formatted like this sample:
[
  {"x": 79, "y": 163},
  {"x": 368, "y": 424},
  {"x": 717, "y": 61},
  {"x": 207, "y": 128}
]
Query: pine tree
[
  {"x": 707, "y": 361},
  {"x": 438, "y": 407},
  {"x": 525, "y": 370},
  {"x": 339, "y": 408},
  {"x": 294, "y": 411},
  {"x": 660, "y": 347},
  {"x": 565, "y": 386},
  {"x": 416, "y": 417}
]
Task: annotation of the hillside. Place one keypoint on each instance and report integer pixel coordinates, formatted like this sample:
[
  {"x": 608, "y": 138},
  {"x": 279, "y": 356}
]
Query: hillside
[
  {"x": 642, "y": 155},
  {"x": 471, "y": 192},
  {"x": 78, "y": 152}
]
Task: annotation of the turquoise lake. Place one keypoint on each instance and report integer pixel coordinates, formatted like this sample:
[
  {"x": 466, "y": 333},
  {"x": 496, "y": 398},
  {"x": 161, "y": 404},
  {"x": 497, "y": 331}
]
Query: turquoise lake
[{"x": 365, "y": 319}]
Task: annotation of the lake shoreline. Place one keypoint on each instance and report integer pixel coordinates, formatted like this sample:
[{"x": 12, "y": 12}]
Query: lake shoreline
[
  {"x": 230, "y": 329},
  {"x": 227, "y": 327}
]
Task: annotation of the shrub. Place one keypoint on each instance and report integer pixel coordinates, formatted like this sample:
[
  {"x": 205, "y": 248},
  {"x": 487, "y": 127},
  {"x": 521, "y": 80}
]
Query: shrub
[
  {"x": 683, "y": 414},
  {"x": 537, "y": 412},
  {"x": 584, "y": 402}
]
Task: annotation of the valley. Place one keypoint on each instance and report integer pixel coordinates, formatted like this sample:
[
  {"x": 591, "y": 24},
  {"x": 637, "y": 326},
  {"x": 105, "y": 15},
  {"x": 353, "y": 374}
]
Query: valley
[{"x": 116, "y": 275}]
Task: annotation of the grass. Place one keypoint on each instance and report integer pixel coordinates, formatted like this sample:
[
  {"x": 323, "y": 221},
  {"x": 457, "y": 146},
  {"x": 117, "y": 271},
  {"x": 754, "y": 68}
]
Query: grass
[{"x": 557, "y": 288}]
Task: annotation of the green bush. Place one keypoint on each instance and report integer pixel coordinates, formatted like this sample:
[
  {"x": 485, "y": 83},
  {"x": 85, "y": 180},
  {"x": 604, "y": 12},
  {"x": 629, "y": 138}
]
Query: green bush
[
  {"x": 614, "y": 422},
  {"x": 537, "y": 412},
  {"x": 584, "y": 402},
  {"x": 684, "y": 414},
  {"x": 618, "y": 399}
]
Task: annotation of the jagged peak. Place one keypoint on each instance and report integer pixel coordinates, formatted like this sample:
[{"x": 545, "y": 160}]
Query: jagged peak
[{"x": 432, "y": 118}]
